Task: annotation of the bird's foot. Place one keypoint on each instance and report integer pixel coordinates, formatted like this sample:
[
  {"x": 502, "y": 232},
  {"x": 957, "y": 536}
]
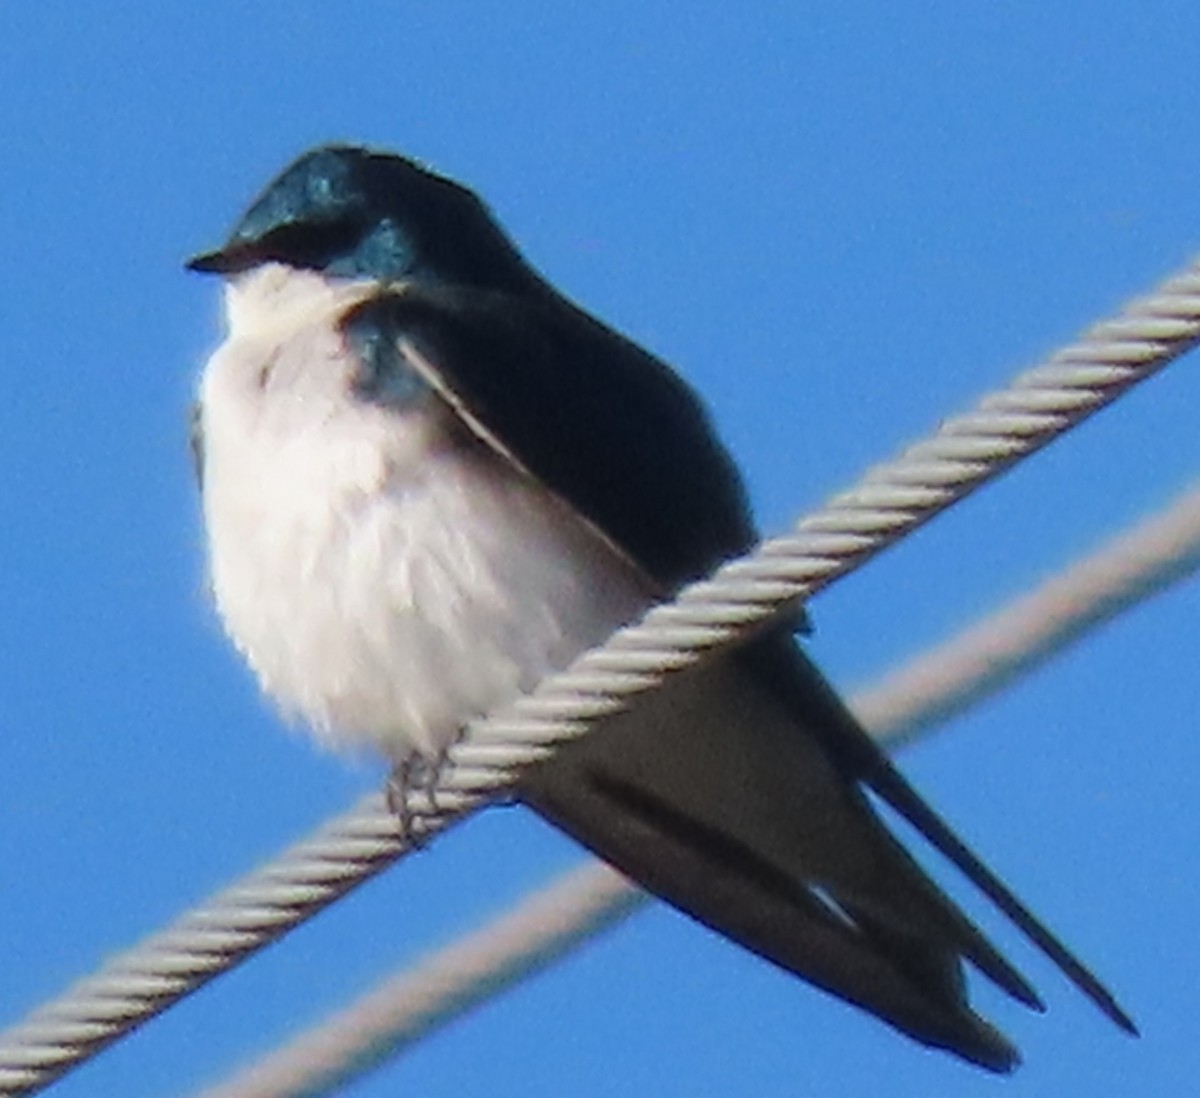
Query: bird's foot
[{"x": 414, "y": 774}]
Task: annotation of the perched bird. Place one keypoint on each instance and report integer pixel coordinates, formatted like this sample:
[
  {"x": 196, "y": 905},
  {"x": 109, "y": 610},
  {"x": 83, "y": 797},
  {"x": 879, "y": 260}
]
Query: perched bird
[{"x": 429, "y": 479}]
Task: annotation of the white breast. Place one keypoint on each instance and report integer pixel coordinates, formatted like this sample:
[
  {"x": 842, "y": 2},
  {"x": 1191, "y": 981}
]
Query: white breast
[{"x": 385, "y": 581}]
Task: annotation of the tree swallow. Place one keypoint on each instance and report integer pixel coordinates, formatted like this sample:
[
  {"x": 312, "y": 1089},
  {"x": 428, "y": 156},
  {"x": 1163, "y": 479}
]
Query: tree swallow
[{"x": 429, "y": 480}]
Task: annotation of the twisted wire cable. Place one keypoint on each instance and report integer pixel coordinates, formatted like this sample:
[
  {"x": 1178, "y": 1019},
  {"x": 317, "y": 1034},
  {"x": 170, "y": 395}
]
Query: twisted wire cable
[
  {"x": 890, "y": 502},
  {"x": 547, "y": 924}
]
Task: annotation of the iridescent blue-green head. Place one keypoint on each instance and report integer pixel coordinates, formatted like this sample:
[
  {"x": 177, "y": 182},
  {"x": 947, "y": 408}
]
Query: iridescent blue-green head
[{"x": 355, "y": 213}]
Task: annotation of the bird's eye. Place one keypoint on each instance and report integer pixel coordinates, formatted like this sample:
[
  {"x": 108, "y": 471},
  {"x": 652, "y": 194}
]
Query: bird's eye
[{"x": 304, "y": 244}]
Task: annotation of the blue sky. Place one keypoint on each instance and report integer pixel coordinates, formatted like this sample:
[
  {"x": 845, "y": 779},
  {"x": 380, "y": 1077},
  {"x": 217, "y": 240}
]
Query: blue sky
[{"x": 841, "y": 223}]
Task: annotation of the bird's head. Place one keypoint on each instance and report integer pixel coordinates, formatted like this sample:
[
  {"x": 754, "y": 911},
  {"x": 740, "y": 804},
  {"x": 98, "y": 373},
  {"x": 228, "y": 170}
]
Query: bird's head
[{"x": 352, "y": 212}]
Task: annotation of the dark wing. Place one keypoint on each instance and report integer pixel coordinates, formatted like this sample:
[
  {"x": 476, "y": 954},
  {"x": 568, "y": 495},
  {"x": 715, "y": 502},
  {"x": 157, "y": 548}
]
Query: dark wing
[
  {"x": 597, "y": 420},
  {"x": 734, "y": 793},
  {"x": 709, "y": 794}
]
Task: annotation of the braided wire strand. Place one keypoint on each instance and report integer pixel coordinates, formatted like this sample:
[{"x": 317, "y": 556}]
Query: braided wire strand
[{"x": 890, "y": 502}]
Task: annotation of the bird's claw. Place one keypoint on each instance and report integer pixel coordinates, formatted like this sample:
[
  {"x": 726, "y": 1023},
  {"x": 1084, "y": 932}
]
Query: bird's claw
[{"x": 414, "y": 774}]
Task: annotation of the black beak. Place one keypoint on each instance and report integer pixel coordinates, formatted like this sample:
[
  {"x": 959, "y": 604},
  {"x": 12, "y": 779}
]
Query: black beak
[{"x": 225, "y": 261}]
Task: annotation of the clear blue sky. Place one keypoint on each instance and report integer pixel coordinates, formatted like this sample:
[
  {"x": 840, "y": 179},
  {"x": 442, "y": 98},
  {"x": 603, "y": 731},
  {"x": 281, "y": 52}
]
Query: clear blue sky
[{"x": 841, "y": 223}]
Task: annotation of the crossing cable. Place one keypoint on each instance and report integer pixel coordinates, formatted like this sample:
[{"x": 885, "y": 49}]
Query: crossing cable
[{"x": 890, "y": 502}]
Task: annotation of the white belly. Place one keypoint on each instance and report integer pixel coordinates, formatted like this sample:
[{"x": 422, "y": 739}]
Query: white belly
[{"x": 385, "y": 581}]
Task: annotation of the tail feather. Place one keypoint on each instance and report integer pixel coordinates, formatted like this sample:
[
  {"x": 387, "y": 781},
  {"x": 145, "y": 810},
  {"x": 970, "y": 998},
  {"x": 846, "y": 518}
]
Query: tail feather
[
  {"x": 786, "y": 668},
  {"x": 717, "y": 798}
]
